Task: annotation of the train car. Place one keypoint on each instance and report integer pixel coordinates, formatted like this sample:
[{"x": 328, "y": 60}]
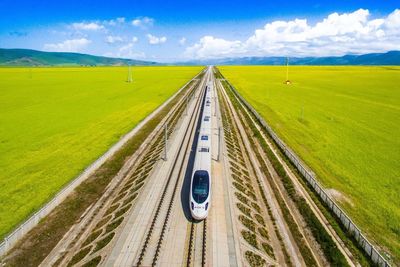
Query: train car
[{"x": 200, "y": 186}]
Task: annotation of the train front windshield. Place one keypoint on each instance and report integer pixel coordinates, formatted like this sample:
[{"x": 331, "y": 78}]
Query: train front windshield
[{"x": 200, "y": 186}]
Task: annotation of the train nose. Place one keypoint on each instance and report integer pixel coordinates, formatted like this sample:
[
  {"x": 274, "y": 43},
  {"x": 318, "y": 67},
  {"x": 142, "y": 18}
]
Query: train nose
[
  {"x": 198, "y": 215},
  {"x": 199, "y": 212}
]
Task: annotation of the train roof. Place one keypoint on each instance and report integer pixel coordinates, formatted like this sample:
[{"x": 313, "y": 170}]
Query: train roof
[{"x": 203, "y": 151}]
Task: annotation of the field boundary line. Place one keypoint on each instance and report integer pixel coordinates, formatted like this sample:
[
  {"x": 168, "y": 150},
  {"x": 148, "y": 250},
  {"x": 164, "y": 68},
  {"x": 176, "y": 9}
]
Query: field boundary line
[
  {"x": 310, "y": 177},
  {"x": 11, "y": 239}
]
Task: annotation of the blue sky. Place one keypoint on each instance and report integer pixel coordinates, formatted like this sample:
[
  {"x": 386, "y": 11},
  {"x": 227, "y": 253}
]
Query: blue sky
[{"x": 184, "y": 30}]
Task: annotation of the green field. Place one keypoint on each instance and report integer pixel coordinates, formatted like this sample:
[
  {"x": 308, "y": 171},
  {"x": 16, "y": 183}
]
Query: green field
[
  {"x": 56, "y": 121},
  {"x": 344, "y": 122}
]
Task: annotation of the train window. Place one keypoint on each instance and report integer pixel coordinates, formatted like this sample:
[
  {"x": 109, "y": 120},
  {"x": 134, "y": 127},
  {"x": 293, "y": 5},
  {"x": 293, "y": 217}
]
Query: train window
[
  {"x": 204, "y": 149},
  {"x": 200, "y": 186},
  {"x": 204, "y": 137}
]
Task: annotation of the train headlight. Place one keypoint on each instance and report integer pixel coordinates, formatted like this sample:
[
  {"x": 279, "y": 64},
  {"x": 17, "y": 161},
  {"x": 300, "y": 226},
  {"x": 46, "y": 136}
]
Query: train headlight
[
  {"x": 206, "y": 205},
  {"x": 192, "y": 205}
]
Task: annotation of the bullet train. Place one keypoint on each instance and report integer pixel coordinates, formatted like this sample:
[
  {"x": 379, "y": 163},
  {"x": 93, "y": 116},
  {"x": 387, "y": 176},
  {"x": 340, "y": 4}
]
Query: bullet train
[{"x": 200, "y": 185}]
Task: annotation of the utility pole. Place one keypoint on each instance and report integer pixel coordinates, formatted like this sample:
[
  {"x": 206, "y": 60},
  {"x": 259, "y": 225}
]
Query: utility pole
[
  {"x": 215, "y": 98},
  {"x": 287, "y": 68},
  {"x": 165, "y": 141},
  {"x": 187, "y": 105},
  {"x": 129, "y": 80},
  {"x": 287, "y": 72},
  {"x": 219, "y": 142},
  {"x": 215, "y": 106}
]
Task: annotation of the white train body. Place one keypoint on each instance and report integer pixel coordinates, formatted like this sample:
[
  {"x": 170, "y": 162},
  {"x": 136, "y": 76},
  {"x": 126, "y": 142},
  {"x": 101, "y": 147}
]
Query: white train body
[{"x": 200, "y": 185}]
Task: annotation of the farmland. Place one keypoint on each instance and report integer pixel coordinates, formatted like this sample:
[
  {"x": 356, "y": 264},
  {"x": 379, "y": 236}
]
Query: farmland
[
  {"x": 56, "y": 121},
  {"x": 344, "y": 122}
]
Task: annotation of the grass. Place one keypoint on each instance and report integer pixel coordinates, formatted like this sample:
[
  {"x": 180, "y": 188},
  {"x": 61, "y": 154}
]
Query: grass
[
  {"x": 268, "y": 249},
  {"x": 36, "y": 244},
  {"x": 103, "y": 242},
  {"x": 245, "y": 210},
  {"x": 79, "y": 256},
  {"x": 254, "y": 259},
  {"x": 248, "y": 223},
  {"x": 344, "y": 122},
  {"x": 56, "y": 121},
  {"x": 264, "y": 233},
  {"x": 94, "y": 262},
  {"x": 250, "y": 238},
  {"x": 329, "y": 248},
  {"x": 91, "y": 237}
]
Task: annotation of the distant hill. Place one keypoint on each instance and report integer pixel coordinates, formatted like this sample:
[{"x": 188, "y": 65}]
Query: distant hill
[
  {"x": 388, "y": 58},
  {"x": 27, "y": 57}
]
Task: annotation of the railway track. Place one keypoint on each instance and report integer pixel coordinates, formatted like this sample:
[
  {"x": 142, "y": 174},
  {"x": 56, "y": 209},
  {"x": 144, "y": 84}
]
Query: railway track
[
  {"x": 102, "y": 219},
  {"x": 274, "y": 245},
  {"x": 197, "y": 244},
  {"x": 296, "y": 218},
  {"x": 304, "y": 250},
  {"x": 164, "y": 234},
  {"x": 300, "y": 188},
  {"x": 152, "y": 246},
  {"x": 140, "y": 222}
]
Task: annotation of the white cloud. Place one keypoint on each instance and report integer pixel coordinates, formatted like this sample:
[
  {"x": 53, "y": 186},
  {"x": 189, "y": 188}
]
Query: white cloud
[
  {"x": 143, "y": 22},
  {"x": 91, "y": 26},
  {"x": 114, "y": 22},
  {"x": 127, "y": 51},
  {"x": 73, "y": 45},
  {"x": 393, "y": 21},
  {"x": 114, "y": 39},
  {"x": 121, "y": 19},
  {"x": 182, "y": 41},
  {"x": 153, "y": 40},
  {"x": 210, "y": 47},
  {"x": 336, "y": 34}
]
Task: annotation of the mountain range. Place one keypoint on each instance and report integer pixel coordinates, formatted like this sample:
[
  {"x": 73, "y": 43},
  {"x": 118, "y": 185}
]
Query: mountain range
[
  {"x": 388, "y": 58},
  {"x": 27, "y": 57}
]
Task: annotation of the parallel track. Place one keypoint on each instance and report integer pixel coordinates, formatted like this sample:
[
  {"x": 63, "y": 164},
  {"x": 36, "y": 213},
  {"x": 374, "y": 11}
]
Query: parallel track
[
  {"x": 168, "y": 192},
  {"x": 194, "y": 238},
  {"x": 197, "y": 242},
  {"x": 75, "y": 243}
]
